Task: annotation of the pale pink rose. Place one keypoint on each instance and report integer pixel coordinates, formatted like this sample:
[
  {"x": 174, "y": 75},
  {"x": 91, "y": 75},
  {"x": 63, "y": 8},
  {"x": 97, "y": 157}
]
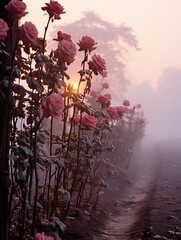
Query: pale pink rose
[
  {"x": 54, "y": 9},
  {"x": 105, "y": 85},
  {"x": 126, "y": 103},
  {"x": 66, "y": 51},
  {"x": 16, "y": 8},
  {"x": 76, "y": 119},
  {"x": 93, "y": 93},
  {"x": 97, "y": 64},
  {"x": 42, "y": 236},
  {"x": 61, "y": 36},
  {"x": 53, "y": 105},
  {"x": 3, "y": 29},
  {"x": 139, "y": 105},
  {"x": 87, "y": 44},
  {"x": 89, "y": 121},
  {"x": 112, "y": 111},
  {"x": 28, "y": 33}
]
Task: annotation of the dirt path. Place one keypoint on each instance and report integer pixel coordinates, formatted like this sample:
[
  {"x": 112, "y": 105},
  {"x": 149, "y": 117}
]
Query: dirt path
[{"x": 143, "y": 205}]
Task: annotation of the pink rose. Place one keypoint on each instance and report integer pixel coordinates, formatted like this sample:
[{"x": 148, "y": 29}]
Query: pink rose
[
  {"x": 28, "y": 33},
  {"x": 3, "y": 29},
  {"x": 112, "y": 111},
  {"x": 89, "y": 121},
  {"x": 97, "y": 64},
  {"x": 54, "y": 9},
  {"x": 138, "y": 105},
  {"x": 87, "y": 44},
  {"x": 16, "y": 8},
  {"x": 103, "y": 99},
  {"x": 105, "y": 85},
  {"x": 126, "y": 103},
  {"x": 53, "y": 106},
  {"x": 61, "y": 36},
  {"x": 42, "y": 236},
  {"x": 66, "y": 51}
]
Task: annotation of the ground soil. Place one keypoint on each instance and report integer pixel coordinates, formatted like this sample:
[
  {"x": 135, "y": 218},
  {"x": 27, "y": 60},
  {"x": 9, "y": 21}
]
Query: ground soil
[{"x": 142, "y": 203}]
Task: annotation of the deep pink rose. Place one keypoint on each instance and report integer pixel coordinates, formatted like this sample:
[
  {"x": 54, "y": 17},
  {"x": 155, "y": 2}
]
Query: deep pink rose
[
  {"x": 103, "y": 99},
  {"x": 105, "y": 85},
  {"x": 61, "y": 36},
  {"x": 126, "y": 103},
  {"x": 112, "y": 111},
  {"x": 28, "y": 33},
  {"x": 66, "y": 51},
  {"x": 54, "y": 9},
  {"x": 3, "y": 29},
  {"x": 97, "y": 64},
  {"x": 53, "y": 106},
  {"x": 16, "y": 8},
  {"x": 89, "y": 121},
  {"x": 42, "y": 236},
  {"x": 87, "y": 44}
]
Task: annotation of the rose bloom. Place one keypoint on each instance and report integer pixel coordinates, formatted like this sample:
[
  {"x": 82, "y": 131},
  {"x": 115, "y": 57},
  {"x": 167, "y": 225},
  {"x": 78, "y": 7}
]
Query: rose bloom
[
  {"x": 103, "y": 99},
  {"x": 66, "y": 51},
  {"x": 112, "y": 111},
  {"x": 3, "y": 29},
  {"x": 97, "y": 64},
  {"x": 138, "y": 105},
  {"x": 87, "y": 44},
  {"x": 89, "y": 121},
  {"x": 16, "y": 8},
  {"x": 28, "y": 33},
  {"x": 53, "y": 105},
  {"x": 93, "y": 93},
  {"x": 105, "y": 85},
  {"x": 126, "y": 103},
  {"x": 61, "y": 36},
  {"x": 54, "y": 9},
  {"x": 42, "y": 236}
]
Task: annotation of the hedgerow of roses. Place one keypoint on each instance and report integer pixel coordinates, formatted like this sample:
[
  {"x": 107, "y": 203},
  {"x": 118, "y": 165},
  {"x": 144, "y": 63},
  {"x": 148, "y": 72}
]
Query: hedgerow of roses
[{"x": 54, "y": 172}]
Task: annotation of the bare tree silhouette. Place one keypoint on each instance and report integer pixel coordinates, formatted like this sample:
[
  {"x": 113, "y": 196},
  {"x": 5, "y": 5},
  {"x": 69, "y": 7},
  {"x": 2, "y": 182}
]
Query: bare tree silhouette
[{"x": 113, "y": 44}]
